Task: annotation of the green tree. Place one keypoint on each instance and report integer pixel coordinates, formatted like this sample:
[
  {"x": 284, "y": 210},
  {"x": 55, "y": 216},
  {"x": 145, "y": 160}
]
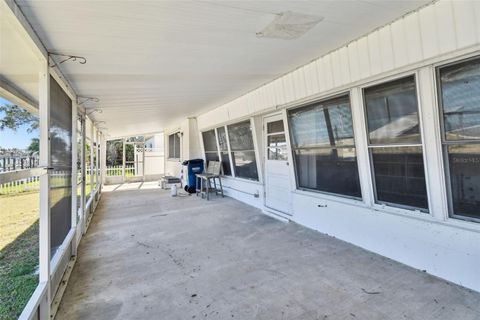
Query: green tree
[
  {"x": 15, "y": 117},
  {"x": 34, "y": 145}
]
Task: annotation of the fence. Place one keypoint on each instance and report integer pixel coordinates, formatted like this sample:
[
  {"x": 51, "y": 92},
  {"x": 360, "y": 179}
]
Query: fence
[
  {"x": 24, "y": 185},
  {"x": 117, "y": 171},
  {"x": 33, "y": 183},
  {"x": 18, "y": 163}
]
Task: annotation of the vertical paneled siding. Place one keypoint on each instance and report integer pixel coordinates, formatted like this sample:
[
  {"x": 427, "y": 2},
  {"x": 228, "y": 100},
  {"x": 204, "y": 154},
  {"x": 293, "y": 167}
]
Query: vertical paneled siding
[{"x": 435, "y": 30}]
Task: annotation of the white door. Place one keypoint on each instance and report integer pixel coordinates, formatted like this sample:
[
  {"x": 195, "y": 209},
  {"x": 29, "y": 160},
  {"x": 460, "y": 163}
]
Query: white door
[{"x": 278, "y": 194}]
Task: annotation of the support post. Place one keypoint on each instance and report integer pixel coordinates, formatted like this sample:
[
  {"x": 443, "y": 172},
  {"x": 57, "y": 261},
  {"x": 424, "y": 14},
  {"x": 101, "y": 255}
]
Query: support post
[
  {"x": 74, "y": 177},
  {"x": 123, "y": 160},
  {"x": 44, "y": 219}
]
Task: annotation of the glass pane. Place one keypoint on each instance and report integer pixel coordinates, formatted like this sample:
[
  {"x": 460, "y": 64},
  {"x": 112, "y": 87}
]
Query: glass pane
[
  {"x": 464, "y": 163},
  {"x": 277, "y": 147},
  {"x": 328, "y": 170},
  {"x": 130, "y": 159},
  {"x": 277, "y": 154},
  {"x": 325, "y": 124},
  {"x": 19, "y": 209},
  {"x": 392, "y": 113},
  {"x": 222, "y": 139},
  {"x": 240, "y": 135},
  {"x": 245, "y": 164},
  {"x": 114, "y": 157},
  {"x": 277, "y": 140},
  {"x": 79, "y": 168},
  {"x": 209, "y": 140},
  {"x": 227, "y": 170},
  {"x": 174, "y": 146},
  {"x": 61, "y": 161},
  {"x": 211, "y": 156},
  {"x": 400, "y": 176},
  {"x": 275, "y": 126},
  {"x": 460, "y": 94},
  {"x": 88, "y": 170},
  {"x": 171, "y": 146},
  {"x": 94, "y": 171}
]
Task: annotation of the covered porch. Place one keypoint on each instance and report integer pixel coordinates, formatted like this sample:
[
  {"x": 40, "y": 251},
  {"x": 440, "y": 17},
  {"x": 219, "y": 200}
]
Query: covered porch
[
  {"x": 346, "y": 134},
  {"x": 151, "y": 256}
]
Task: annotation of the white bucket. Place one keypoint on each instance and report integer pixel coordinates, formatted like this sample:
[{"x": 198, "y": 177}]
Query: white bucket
[{"x": 173, "y": 190}]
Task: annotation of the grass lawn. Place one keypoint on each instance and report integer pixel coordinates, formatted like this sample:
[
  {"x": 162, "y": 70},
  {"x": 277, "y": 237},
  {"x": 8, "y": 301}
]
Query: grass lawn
[{"x": 18, "y": 252}]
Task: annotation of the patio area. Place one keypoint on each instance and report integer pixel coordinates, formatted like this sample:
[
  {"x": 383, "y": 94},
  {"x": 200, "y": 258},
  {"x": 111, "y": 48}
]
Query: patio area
[{"x": 151, "y": 256}]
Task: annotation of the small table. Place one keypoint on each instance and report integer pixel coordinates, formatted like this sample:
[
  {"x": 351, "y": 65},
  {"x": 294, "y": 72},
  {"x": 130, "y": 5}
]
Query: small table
[{"x": 167, "y": 180}]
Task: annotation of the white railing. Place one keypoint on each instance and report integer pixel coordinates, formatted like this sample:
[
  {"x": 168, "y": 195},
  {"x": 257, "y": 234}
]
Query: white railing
[
  {"x": 33, "y": 183},
  {"x": 18, "y": 186},
  {"x": 117, "y": 171}
]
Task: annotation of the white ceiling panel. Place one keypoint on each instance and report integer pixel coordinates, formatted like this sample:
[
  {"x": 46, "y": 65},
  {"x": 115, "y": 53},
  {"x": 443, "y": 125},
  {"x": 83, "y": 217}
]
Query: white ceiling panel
[{"x": 152, "y": 63}]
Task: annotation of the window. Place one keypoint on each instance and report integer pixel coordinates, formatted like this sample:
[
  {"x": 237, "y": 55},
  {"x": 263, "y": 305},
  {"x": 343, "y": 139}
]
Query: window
[
  {"x": 174, "y": 146},
  {"x": 459, "y": 95},
  {"x": 324, "y": 148},
  {"x": 395, "y": 144},
  {"x": 210, "y": 145},
  {"x": 242, "y": 150},
  {"x": 276, "y": 142},
  {"x": 223, "y": 145}
]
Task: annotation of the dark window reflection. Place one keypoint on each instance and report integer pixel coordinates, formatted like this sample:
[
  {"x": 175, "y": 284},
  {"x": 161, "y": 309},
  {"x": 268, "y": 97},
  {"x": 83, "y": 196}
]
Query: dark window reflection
[
  {"x": 328, "y": 170},
  {"x": 61, "y": 160},
  {"x": 460, "y": 101},
  {"x": 324, "y": 147},
  {"x": 227, "y": 170},
  {"x": 222, "y": 139},
  {"x": 240, "y": 135},
  {"x": 245, "y": 165},
  {"x": 275, "y": 126},
  {"x": 174, "y": 146},
  {"x": 392, "y": 113},
  {"x": 464, "y": 162},
  {"x": 243, "y": 151},
  {"x": 460, "y": 94},
  {"x": 400, "y": 176},
  {"x": 211, "y": 156},
  {"x": 323, "y": 124},
  {"x": 209, "y": 140}
]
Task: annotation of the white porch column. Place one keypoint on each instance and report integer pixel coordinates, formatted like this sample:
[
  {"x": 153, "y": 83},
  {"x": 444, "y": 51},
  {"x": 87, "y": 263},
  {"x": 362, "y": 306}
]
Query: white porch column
[
  {"x": 44, "y": 219},
  {"x": 74, "y": 176}
]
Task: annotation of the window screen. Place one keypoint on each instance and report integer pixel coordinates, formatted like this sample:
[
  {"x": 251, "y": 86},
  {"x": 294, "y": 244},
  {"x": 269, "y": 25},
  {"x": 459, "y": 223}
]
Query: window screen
[
  {"x": 61, "y": 160},
  {"x": 460, "y": 104},
  {"x": 324, "y": 148},
  {"x": 243, "y": 150},
  {"x": 395, "y": 144}
]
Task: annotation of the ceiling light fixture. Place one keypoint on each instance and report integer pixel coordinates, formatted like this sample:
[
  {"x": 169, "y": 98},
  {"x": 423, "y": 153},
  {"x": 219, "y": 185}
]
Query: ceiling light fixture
[{"x": 289, "y": 25}]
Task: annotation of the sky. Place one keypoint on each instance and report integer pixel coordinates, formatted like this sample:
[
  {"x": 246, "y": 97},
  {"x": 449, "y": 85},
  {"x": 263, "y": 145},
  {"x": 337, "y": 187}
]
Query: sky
[{"x": 15, "y": 139}]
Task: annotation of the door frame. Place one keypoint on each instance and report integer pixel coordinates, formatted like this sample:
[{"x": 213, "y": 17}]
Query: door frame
[{"x": 279, "y": 115}]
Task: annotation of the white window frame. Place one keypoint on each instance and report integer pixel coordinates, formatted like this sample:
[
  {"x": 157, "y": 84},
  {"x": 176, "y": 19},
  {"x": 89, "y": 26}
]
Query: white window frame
[
  {"x": 291, "y": 149},
  {"x": 383, "y": 204},
  {"x": 177, "y": 133},
  {"x": 450, "y": 214}
]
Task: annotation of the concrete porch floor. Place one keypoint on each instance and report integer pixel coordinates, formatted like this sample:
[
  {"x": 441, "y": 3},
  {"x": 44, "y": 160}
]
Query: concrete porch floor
[{"x": 150, "y": 256}]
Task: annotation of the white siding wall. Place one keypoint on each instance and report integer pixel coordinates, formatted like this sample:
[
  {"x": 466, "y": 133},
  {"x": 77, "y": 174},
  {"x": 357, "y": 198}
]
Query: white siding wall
[
  {"x": 415, "y": 43},
  {"x": 434, "y": 31}
]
